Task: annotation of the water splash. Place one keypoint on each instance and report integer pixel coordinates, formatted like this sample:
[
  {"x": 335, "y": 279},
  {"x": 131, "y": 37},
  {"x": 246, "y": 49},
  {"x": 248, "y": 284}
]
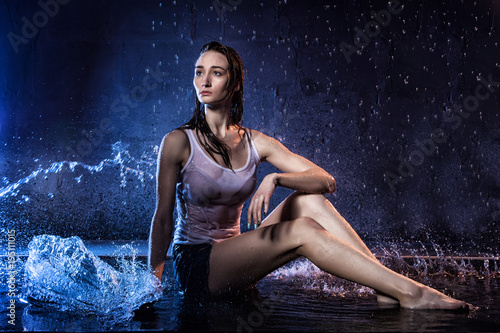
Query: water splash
[
  {"x": 421, "y": 264},
  {"x": 61, "y": 273},
  {"x": 307, "y": 277},
  {"x": 142, "y": 168}
]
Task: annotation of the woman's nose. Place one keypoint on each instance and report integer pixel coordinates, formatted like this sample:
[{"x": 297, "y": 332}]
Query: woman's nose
[{"x": 205, "y": 82}]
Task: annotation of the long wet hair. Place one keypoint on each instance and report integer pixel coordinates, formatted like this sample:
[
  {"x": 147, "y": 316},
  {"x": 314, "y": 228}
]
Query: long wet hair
[{"x": 206, "y": 137}]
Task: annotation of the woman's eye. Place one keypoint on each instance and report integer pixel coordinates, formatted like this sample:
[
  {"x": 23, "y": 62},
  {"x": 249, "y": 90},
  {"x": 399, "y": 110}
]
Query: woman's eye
[
  {"x": 217, "y": 74},
  {"x": 197, "y": 73}
]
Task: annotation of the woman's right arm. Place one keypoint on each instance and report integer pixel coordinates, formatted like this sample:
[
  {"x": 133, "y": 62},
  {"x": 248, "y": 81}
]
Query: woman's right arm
[{"x": 174, "y": 151}]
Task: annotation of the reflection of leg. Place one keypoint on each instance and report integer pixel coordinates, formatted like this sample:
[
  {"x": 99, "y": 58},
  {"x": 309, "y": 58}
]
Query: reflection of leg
[
  {"x": 322, "y": 211},
  {"x": 243, "y": 260}
]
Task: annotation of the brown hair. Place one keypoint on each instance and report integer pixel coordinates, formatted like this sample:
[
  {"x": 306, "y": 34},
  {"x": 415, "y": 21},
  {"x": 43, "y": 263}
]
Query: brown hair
[{"x": 198, "y": 122}]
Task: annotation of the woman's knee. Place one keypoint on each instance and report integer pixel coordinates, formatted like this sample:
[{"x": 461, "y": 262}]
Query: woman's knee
[
  {"x": 302, "y": 204},
  {"x": 306, "y": 200},
  {"x": 304, "y": 228}
]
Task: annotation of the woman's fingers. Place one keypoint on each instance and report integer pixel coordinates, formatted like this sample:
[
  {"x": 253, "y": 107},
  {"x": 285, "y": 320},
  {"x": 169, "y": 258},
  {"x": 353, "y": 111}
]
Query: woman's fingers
[
  {"x": 263, "y": 208},
  {"x": 251, "y": 213},
  {"x": 260, "y": 201},
  {"x": 259, "y": 211},
  {"x": 249, "y": 216},
  {"x": 266, "y": 206},
  {"x": 254, "y": 215}
]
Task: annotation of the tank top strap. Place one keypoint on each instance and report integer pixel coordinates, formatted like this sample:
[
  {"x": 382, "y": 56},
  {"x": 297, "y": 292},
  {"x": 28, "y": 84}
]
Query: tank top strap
[
  {"x": 192, "y": 148},
  {"x": 252, "y": 148},
  {"x": 193, "y": 142}
]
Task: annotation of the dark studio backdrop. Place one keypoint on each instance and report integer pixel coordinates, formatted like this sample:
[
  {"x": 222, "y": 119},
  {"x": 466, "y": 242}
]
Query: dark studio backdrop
[{"x": 398, "y": 101}]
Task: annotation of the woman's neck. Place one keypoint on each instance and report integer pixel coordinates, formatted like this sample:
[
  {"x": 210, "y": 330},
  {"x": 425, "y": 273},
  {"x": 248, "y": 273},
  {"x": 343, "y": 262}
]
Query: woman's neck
[{"x": 219, "y": 121}]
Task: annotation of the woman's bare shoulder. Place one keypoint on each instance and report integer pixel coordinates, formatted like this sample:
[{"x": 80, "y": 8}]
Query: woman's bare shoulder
[
  {"x": 265, "y": 144},
  {"x": 263, "y": 140},
  {"x": 258, "y": 136},
  {"x": 175, "y": 144},
  {"x": 178, "y": 135}
]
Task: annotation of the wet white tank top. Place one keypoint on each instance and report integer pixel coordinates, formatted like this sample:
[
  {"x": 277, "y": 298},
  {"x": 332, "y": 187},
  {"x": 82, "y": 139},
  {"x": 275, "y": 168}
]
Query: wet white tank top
[{"x": 210, "y": 197}]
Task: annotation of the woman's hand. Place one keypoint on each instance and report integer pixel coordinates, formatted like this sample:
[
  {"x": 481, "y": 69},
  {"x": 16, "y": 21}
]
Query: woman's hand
[
  {"x": 157, "y": 285},
  {"x": 260, "y": 200}
]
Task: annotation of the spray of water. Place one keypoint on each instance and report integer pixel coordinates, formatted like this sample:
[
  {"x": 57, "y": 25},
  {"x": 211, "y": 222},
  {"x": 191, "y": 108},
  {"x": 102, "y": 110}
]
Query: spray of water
[
  {"x": 142, "y": 168},
  {"x": 61, "y": 273},
  {"x": 419, "y": 263}
]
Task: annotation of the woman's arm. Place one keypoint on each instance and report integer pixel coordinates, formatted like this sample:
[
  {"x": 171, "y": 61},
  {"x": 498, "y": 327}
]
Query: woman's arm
[
  {"x": 299, "y": 174},
  {"x": 173, "y": 151}
]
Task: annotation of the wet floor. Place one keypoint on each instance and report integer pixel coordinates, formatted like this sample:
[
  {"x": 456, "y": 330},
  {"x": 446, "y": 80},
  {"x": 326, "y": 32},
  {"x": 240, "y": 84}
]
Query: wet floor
[{"x": 289, "y": 300}]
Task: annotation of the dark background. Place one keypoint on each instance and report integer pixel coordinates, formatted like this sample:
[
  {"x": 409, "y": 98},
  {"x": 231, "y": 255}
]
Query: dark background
[{"x": 98, "y": 84}]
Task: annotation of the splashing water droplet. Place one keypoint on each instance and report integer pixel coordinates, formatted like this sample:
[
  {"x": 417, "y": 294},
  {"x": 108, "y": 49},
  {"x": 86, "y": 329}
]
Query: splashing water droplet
[{"x": 62, "y": 273}]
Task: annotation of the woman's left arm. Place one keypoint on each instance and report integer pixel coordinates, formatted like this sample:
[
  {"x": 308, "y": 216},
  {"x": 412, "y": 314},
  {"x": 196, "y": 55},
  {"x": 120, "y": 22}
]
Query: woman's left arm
[{"x": 299, "y": 174}]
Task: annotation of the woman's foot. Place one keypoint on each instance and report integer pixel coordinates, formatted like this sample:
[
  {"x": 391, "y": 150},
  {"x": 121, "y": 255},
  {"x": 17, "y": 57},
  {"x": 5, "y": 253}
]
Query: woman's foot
[
  {"x": 426, "y": 298},
  {"x": 386, "y": 301}
]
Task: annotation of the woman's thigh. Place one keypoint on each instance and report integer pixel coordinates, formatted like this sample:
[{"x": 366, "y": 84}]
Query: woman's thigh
[
  {"x": 320, "y": 209},
  {"x": 241, "y": 261}
]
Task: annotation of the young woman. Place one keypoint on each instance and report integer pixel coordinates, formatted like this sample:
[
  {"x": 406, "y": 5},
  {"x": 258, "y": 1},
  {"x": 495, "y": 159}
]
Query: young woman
[{"x": 207, "y": 168}]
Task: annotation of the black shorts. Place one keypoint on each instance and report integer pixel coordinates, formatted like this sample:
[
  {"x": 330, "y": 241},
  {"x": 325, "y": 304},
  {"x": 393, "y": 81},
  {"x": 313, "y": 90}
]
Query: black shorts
[{"x": 191, "y": 267}]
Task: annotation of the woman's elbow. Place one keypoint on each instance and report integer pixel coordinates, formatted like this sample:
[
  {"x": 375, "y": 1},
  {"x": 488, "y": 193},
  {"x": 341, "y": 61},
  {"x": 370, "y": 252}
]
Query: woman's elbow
[{"x": 331, "y": 185}]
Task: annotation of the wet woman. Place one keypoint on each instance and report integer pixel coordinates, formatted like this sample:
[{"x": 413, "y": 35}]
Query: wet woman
[{"x": 207, "y": 169}]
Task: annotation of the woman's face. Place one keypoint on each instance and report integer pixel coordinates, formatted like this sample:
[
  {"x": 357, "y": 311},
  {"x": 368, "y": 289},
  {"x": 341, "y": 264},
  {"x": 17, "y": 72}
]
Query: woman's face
[{"x": 211, "y": 79}]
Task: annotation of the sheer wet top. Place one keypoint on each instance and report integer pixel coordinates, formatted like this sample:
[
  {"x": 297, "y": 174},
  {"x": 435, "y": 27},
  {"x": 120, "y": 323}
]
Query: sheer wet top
[{"x": 210, "y": 197}]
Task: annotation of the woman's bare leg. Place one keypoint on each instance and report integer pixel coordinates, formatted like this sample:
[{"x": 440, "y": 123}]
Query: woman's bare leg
[
  {"x": 319, "y": 208},
  {"x": 243, "y": 260}
]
